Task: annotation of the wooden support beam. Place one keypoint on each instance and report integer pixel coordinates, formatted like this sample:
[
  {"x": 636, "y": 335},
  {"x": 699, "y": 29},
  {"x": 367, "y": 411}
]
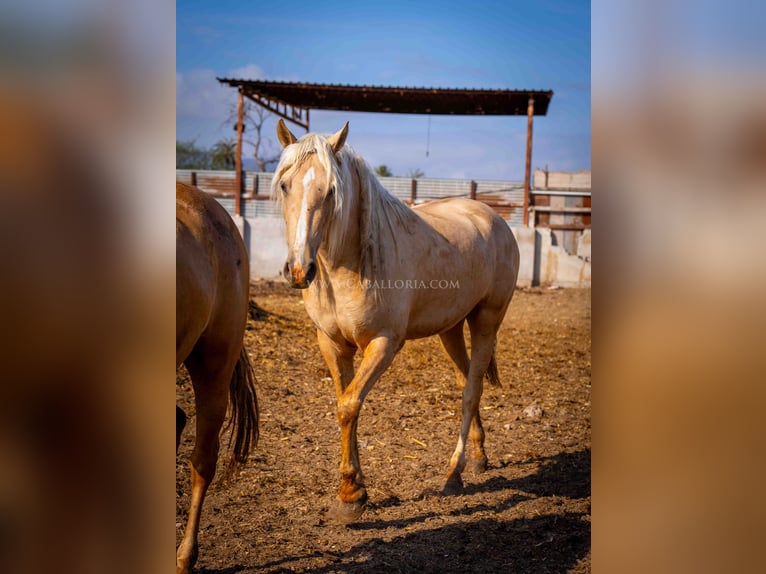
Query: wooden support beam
[
  {"x": 238, "y": 159},
  {"x": 274, "y": 107},
  {"x": 413, "y": 191},
  {"x": 549, "y": 209},
  {"x": 528, "y": 168}
]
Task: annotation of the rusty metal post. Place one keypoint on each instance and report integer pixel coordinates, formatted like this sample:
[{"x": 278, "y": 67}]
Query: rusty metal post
[
  {"x": 238, "y": 159},
  {"x": 528, "y": 168},
  {"x": 413, "y": 191},
  {"x": 473, "y": 189}
]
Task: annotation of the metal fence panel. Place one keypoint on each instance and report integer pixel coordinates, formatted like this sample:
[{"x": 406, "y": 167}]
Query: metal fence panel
[{"x": 505, "y": 197}]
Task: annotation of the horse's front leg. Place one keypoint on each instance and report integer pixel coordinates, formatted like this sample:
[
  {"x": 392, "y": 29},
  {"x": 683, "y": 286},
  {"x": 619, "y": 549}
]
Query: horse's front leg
[
  {"x": 339, "y": 356},
  {"x": 351, "y": 499}
]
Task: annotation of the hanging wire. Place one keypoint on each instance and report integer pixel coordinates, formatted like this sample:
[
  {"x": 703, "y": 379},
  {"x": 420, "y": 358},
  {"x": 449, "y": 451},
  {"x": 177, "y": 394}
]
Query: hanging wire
[{"x": 428, "y": 137}]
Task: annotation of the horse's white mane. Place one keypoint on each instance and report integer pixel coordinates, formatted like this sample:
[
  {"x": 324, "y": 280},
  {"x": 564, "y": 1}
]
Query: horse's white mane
[
  {"x": 379, "y": 209},
  {"x": 383, "y": 217}
]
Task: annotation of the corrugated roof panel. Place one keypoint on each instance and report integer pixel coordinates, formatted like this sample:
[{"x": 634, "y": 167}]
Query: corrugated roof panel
[{"x": 400, "y": 100}]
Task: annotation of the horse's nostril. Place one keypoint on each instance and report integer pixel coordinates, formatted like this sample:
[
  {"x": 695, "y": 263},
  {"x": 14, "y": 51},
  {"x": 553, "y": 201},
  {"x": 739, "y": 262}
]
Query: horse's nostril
[
  {"x": 311, "y": 271},
  {"x": 286, "y": 270}
]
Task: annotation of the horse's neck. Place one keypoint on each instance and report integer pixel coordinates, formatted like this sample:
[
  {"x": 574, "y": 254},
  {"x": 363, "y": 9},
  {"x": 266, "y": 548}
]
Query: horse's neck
[
  {"x": 346, "y": 259},
  {"x": 373, "y": 229}
]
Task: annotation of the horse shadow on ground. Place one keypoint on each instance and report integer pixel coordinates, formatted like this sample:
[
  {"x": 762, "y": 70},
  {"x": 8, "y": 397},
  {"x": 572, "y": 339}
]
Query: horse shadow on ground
[
  {"x": 566, "y": 474},
  {"x": 543, "y": 544},
  {"x": 540, "y": 545},
  {"x": 552, "y": 543},
  {"x": 256, "y": 313}
]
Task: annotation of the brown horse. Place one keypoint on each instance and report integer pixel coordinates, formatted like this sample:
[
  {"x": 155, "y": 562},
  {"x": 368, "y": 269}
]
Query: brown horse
[
  {"x": 212, "y": 293},
  {"x": 375, "y": 273}
]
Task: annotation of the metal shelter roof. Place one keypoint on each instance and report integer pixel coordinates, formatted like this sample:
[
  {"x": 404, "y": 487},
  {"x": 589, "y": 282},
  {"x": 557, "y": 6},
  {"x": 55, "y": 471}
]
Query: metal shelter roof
[
  {"x": 290, "y": 99},
  {"x": 293, "y": 100}
]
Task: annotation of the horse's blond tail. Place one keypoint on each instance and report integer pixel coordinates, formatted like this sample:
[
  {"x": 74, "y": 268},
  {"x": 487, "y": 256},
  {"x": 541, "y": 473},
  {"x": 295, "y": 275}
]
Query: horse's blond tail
[
  {"x": 244, "y": 411},
  {"x": 492, "y": 375}
]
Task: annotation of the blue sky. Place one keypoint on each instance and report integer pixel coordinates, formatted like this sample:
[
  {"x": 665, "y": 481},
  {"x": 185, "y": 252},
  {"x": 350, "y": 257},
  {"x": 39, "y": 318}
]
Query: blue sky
[{"x": 512, "y": 45}]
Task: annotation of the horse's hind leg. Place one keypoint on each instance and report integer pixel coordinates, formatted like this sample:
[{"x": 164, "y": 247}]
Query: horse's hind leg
[
  {"x": 483, "y": 323},
  {"x": 454, "y": 345},
  {"x": 211, "y": 385},
  {"x": 180, "y": 424}
]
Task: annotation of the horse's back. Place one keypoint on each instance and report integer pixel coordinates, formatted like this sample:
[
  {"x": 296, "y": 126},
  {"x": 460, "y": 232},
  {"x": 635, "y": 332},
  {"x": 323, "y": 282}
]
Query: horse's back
[
  {"x": 212, "y": 273},
  {"x": 457, "y": 210},
  {"x": 476, "y": 228}
]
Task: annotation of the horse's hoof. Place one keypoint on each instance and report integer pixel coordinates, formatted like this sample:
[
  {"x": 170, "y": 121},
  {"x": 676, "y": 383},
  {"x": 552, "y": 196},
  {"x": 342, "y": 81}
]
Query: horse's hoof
[
  {"x": 477, "y": 465},
  {"x": 346, "y": 512},
  {"x": 453, "y": 486},
  {"x": 184, "y": 565}
]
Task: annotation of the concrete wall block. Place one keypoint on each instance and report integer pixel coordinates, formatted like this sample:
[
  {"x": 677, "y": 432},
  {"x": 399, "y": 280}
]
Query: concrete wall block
[
  {"x": 267, "y": 245},
  {"x": 525, "y": 237},
  {"x": 562, "y": 179},
  {"x": 572, "y": 271},
  {"x": 555, "y": 267},
  {"x": 541, "y": 262},
  {"x": 239, "y": 221},
  {"x": 583, "y": 245}
]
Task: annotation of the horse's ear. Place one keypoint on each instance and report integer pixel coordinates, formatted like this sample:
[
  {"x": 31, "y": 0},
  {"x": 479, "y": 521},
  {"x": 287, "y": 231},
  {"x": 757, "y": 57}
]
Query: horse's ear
[
  {"x": 285, "y": 136},
  {"x": 337, "y": 141}
]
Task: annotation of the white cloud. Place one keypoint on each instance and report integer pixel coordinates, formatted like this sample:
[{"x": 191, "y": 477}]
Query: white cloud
[
  {"x": 200, "y": 95},
  {"x": 249, "y": 72}
]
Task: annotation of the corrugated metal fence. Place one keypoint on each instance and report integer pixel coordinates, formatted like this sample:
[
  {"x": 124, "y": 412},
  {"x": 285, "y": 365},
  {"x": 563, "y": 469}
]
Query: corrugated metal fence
[{"x": 506, "y": 197}]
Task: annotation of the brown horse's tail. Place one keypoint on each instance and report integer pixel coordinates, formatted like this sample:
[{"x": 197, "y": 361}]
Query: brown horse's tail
[
  {"x": 492, "y": 375},
  {"x": 244, "y": 411}
]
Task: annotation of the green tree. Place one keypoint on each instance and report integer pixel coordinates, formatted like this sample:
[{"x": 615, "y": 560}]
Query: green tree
[
  {"x": 383, "y": 171},
  {"x": 223, "y": 155},
  {"x": 415, "y": 173},
  {"x": 189, "y": 156}
]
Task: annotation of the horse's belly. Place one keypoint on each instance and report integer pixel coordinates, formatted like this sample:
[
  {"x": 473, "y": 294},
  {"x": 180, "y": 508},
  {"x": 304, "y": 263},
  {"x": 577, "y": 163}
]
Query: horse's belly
[
  {"x": 436, "y": 318},
  {"x": 195, "y": 284},
  {"x": 439, "y": 304}
]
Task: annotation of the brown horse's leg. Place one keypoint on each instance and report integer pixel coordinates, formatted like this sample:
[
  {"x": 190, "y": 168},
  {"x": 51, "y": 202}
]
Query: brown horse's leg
[
  {"x": 180, "y": 424},
  {"x": 211, "y": 386},
  {"x": 454, "y": 345},
  {"x": 352, "y": 497},
  {"x": 483, "y": 324}
]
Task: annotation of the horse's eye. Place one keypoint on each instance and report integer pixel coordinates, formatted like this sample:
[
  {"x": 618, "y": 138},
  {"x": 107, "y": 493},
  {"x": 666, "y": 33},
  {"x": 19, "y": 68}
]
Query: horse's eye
[{"x": 283, "y": 187}]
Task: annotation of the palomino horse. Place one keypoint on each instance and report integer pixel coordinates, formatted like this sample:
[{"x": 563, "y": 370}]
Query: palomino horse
[
  {"x": 375, "y": 273},
  {"x": 212, "y": 294}
]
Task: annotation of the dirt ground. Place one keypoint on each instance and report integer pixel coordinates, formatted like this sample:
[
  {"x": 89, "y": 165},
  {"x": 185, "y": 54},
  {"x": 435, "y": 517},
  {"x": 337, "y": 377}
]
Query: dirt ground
[{"x": 529, "y": 512}]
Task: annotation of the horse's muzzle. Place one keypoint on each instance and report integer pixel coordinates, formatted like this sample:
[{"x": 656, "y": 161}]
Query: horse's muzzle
[{"x": 297, "y": 276}]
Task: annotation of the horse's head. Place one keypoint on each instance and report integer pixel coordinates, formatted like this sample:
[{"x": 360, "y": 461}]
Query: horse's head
[{"x": 306, "y": 181}]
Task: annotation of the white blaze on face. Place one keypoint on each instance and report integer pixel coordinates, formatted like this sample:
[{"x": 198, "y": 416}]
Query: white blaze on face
[{"x": 302, "y": 231}]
